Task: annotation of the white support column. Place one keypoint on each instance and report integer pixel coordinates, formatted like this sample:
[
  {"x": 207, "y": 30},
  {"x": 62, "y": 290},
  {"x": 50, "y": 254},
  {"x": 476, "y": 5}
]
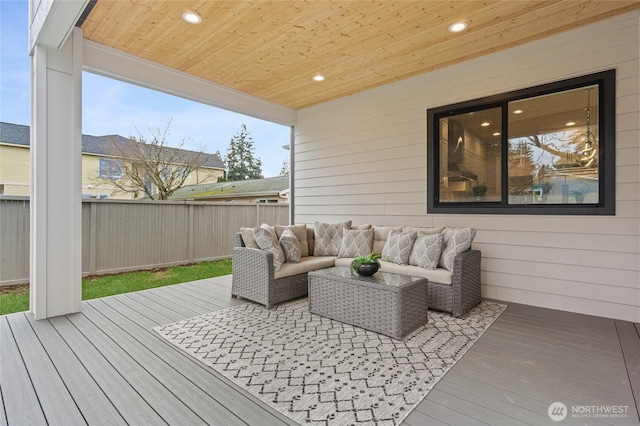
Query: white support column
[{"x": 56, "y": 160}]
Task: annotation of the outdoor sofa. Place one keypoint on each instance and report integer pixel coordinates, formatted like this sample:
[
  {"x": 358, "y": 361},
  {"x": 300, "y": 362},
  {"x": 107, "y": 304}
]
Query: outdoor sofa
[{"x": 255, "y": 278}]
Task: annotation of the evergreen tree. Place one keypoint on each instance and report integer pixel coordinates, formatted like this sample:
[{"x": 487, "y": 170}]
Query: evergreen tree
[
  {"x": 242, "y": 163},
  {"x": 285, "y": 169}
]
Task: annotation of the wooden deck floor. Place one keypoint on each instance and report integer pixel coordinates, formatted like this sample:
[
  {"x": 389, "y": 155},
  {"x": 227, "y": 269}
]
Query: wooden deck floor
[{"x": 106, "y": 366}]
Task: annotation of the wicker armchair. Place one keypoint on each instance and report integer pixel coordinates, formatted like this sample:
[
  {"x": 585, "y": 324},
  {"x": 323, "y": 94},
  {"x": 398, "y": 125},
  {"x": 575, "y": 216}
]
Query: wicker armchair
[
  {"x": 465, "y": 290},
  {"x": 253, "y": 278}
]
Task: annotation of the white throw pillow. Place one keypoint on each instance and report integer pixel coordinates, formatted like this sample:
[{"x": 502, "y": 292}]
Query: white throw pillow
[
  {"x": 356, "y": 243},
  {"x": 266, "y": 239},
  {"x": 290, "y": 246},
  {"x": 398, "y": 247},
  {"x": 456, "y": 241},
  {"x": 426, "y": 251}
]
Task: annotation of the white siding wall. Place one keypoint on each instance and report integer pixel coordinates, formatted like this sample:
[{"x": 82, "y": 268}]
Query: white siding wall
[{"x": 363, "y": 158}]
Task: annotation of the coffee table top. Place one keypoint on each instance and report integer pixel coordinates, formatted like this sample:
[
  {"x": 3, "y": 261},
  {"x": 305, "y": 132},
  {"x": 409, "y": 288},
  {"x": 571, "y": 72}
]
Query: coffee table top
[{"x": 381, "y": 278}]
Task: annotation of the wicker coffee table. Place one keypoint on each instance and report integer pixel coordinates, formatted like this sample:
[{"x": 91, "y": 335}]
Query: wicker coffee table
[{"x": 386, "y": 303}]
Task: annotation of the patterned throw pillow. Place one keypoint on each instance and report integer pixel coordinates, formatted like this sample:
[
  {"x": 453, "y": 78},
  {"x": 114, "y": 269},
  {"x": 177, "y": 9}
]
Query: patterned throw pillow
[
  {"x": 426, "y": 251},
  {"x": 266, "y": 238},
  {"x": 456, "y": 241},
  {"x": 290, "y": 246},
  {"x": 300, "y": 231},
  {"x": 356, "y": 243},
  {"x": 328, "y": 238},
  {"x": 398, "y": 247}
]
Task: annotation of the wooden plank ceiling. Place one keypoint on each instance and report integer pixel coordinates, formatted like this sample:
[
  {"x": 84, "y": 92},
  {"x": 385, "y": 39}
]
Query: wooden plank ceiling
[{"x": 272, "y": 49}]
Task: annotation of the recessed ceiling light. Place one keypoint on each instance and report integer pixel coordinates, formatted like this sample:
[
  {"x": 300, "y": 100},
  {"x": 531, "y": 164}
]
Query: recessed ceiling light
[
  {"x": 496, "y": 133},
  {"x": 518, "y": 111},
  {"x": 457, "y": 27},
  {"x": 318, "y": 77},
  {"x": 486, "y": 124},
  {"x": 571, "y": 123},
  {"x": 191, "y": 17}
]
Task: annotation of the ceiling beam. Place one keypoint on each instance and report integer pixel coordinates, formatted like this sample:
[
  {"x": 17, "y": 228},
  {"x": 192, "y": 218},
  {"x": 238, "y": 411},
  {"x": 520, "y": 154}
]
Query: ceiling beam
[
  {"x": 51, "y": 21},
  {"x": 112, "y": 63}
]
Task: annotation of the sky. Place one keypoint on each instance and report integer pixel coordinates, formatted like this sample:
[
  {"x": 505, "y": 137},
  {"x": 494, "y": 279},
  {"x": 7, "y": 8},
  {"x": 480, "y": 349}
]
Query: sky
[{"x": 114, "y": 107}]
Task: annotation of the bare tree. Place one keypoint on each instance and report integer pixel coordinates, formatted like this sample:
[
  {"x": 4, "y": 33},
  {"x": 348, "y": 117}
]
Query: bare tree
[{"x": 149, "y": 166}]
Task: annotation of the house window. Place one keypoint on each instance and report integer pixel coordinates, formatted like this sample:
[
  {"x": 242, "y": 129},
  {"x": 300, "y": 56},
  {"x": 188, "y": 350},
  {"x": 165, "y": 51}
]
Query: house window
[
  {"x": 110, "y": 169},
  {"x": 543, "y": 150}
]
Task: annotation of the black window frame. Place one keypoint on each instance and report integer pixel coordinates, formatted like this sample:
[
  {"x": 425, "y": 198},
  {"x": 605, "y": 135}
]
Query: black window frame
[{"x": 606, "y": 81}]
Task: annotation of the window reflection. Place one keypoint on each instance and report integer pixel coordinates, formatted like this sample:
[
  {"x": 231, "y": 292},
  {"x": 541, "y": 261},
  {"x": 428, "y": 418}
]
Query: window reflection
[
  {"x": 471, "y": 157},
  {"x": 553, "y": 148}
]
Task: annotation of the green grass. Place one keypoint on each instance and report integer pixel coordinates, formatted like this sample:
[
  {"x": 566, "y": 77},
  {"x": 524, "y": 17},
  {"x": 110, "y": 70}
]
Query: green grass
[{"x": 17, "y": 300}]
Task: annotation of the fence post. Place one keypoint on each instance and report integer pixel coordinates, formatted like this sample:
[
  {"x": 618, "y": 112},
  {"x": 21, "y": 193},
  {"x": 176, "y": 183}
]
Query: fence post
[
  {"x": 190, "y": 231},
  {"x": 93, "y": 231}
]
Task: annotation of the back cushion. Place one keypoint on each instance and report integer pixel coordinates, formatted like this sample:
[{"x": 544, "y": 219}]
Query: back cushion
[
  {"x": 380, "y": 234},
  {"x": 423, "y": 231},
  {"x": 300, "y": 231}
]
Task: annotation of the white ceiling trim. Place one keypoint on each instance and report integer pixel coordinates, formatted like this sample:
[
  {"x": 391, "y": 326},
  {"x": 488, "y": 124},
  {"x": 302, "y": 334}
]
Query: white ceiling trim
[
  {"x": 51, "y": 21},
  {"x": 112, "y": 63}
]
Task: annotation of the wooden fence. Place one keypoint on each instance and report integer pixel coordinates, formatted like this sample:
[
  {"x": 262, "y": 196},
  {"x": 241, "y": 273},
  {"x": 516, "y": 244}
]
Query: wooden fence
[{"x": 119, "y": 235}]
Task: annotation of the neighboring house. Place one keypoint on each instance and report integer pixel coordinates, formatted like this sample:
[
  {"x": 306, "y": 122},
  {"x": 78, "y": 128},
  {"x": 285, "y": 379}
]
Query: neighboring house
[
  {"x": 96, "y": 164},
  {"x": 270, "y": 190}
]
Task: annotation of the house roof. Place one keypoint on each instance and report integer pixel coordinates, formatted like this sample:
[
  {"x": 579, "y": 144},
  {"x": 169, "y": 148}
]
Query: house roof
[
  {"x": 272, "y": 49},
  {"x": 247, "y": 188},
  {"x": 18, "y": 134}
]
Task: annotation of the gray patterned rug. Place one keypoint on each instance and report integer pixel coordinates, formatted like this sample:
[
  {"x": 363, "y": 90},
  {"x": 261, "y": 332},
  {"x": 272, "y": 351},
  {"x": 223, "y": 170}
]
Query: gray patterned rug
[{"x": 316, "y": 370}]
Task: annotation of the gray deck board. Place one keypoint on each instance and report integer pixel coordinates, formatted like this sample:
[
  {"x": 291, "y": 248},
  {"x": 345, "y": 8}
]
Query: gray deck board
[
  {"x": 3, "y": 417},
  {"x": 181, "y": 388},
  {"x": 529, "y": 358},
  {"x": 205, "y": 379},
  {"x": 87, "y": 395},
  {"x": 630, "y": 343},
  {"x": 150, "y": 388},
  {"x": 22, "y": 406},
  {"x": 119, "y": 389}
]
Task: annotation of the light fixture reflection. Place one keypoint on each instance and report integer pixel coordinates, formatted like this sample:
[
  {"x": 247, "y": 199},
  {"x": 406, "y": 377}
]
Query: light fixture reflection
[{"x": 318, "y": 77}]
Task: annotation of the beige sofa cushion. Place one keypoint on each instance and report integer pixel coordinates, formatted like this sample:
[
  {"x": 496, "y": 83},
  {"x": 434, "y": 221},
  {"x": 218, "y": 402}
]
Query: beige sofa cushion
[
  {"x": 425, "y": 231},
  {"x": 248, "y": 239},
  {"x": 380, "y": 234},
  {"x": 306, "y": 264},
  {"x": 300, "y": 231},
  {"x": 440, "y": 275}
]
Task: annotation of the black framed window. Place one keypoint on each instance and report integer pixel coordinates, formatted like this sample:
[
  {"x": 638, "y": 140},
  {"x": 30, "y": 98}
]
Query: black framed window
[{"x": 547, "y": 149}]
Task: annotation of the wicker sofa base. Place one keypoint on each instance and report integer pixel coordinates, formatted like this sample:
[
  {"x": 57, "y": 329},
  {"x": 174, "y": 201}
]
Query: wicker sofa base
[{"x": 280, "y": 290}]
